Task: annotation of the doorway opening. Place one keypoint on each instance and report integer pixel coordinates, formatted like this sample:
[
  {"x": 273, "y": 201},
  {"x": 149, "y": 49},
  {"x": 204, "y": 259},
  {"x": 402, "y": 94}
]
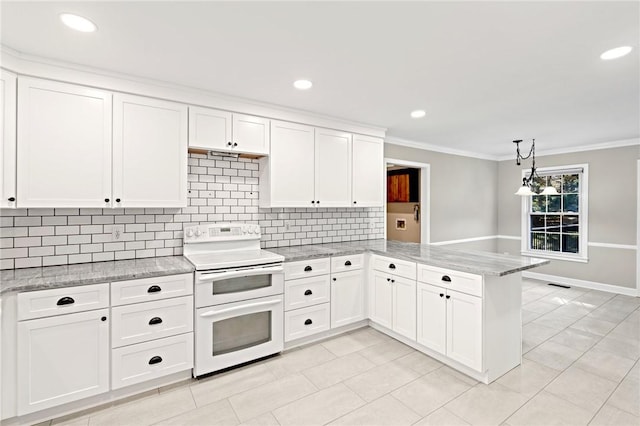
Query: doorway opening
[{"x": 407, "y": 206}]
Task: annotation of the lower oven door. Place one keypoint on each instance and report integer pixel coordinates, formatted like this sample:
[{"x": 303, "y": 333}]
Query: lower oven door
[
  {"x": 233, "y": 333},
  {"x": 233, "y": 285}
]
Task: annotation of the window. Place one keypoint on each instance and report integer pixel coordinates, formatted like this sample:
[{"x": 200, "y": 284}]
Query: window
[{"x": 555, "y": 226}]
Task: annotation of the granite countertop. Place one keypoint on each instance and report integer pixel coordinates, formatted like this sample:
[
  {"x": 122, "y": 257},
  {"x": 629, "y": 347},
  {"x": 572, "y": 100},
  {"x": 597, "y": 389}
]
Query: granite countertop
[
  {"x": 91, "y": 273},
  {"x": 476, "y": 262}
]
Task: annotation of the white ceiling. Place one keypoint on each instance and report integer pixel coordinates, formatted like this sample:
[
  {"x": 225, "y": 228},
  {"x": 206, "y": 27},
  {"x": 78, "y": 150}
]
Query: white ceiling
[{"x": 485, "y": 72}]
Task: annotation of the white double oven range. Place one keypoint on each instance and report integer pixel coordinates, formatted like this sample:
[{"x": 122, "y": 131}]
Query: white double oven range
[{"x": 238, "y": 296}]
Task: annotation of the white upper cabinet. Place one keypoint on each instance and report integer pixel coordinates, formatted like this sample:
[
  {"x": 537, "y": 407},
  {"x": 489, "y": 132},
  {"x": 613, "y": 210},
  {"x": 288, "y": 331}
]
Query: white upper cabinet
[
  {"x": 368, "y": 171},
  {"x": 217, "y": 130},
  {"x": 209, "y": 129},
  {"x": 64, "y": 145},
  {"x": 8, "y": 139},
  {"x": 287, "y": 175},
  {"x": 149, "y": 152},
  {"x": 332, "y": 168},
  {"x": 317, "y": 167},
  {"x": 250, "y": 134}
]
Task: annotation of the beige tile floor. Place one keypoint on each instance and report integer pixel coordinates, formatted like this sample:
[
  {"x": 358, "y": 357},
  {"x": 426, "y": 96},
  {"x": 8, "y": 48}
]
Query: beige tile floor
[{"x": 581, "y": 351}]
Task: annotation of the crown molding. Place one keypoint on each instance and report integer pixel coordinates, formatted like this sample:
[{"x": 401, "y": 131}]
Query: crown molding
[
  {"x": 573, "y": 149},
  {"x": 437, "y": 148},
  {"x": 41, "y": 67}
]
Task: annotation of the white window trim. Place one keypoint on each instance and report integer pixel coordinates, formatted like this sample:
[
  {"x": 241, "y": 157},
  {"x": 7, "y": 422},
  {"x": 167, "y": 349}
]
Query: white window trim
[{"x": 583, "y": 214}]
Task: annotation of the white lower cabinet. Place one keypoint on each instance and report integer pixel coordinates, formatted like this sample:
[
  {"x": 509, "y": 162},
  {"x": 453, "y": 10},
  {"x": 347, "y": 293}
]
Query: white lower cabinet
[
  {"x": 464, "y": 329},
  {"x": 347, "y": 298},
  {"x": 154, "y": 336},
  {"x": 62, "y": 359},
  {"x": 153, "y": 320},
  {"x": 450, "y": 322},
  {"x": 306, "y": 298},
  {"x": 70, "y": 342},
  {"x": 305, "y": 322},
  {"x": 393, "y": 303},
  {"x": 145, "y": 361}
]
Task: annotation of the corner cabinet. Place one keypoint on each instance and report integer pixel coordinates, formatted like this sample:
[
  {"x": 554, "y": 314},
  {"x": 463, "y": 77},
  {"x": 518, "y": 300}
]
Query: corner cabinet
[
  {"x": 149, "y": 152},
  {"x": 217, "y": 130},
  {"x": 64, "y": 145},
  {"x": 317, "y": 167},
  {"x": 7, "y": 139}
]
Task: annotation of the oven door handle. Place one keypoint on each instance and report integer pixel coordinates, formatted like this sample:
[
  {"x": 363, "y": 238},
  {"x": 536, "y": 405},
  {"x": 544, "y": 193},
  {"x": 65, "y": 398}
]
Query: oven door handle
[
  {"x": 217, "y": 276},
  {"x": 239, "y": 308}
]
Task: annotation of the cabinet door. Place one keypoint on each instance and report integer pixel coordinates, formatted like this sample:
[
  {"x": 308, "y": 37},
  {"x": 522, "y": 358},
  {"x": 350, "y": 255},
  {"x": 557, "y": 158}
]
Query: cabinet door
[
  {"x": 347, "y": 298},
  {"x": 432, "y": 326},
  {"x": 381, "y": 300},
  {"x": 209, "y": 129},
  {"x": 464, "y": 329},
  {"x": 333, "y": 168},
  {"x": 7, "y": 139},
  {"x": 404, "y": 306},
  {"x": 368, "y": 171},
  {"x": 287, "y": 178},
  {"x": 149, "y": 152},
  {"x": 62, "y": 359},
  {"x": 64, "y": 145},
  {"x": 250, "y": 134}
]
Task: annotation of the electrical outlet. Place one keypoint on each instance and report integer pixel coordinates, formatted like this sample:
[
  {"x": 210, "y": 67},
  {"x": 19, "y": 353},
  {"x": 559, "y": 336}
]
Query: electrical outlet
[
  {"x": 287, "y": 225},
  {"x": 116, "y": 232}
]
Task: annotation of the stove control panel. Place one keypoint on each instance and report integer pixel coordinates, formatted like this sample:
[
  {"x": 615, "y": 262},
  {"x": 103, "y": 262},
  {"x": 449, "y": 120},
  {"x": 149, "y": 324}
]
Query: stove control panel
[{"x": 221, "y": 232}]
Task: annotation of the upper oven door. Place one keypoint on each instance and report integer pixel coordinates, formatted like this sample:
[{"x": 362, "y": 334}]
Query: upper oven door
[{"x": 225, "y": 286}]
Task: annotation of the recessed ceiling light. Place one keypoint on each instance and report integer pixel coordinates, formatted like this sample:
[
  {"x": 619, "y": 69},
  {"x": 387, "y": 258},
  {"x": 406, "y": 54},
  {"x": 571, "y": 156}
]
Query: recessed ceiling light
[
  {"x": 615, "y": 53},
  {"x": 418, "y": 113},
  {"x": 302, "y": 84},
  {"x": 78, "y": 23}
]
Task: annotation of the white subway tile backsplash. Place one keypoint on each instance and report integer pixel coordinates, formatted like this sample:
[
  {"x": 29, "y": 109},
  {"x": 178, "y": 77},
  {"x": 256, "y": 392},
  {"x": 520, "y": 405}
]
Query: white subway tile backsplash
[
  {"x": 80, "y": 258},
  {"x": 220, "y": 189},
  {"x": 54, "y": 260},
  {"x": 35, "y": 231},
  {"x": 28, "y": 262},
  {"x": 79, "y": 239},
  {"x": 41, "y": 251},
  {"x": 70, "y": 249}
]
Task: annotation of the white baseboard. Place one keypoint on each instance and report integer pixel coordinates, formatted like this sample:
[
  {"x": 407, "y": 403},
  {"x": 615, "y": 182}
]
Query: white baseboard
[{"x": 592, "y": 285}]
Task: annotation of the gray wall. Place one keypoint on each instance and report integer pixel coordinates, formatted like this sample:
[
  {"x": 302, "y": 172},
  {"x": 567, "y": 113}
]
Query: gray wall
[
  {"x": 612, "y": 213},
  {"x": 463, "y": 193}
]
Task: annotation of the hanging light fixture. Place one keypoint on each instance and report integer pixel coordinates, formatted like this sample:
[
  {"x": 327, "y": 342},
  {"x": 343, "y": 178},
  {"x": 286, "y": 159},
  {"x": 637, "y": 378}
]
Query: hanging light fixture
[{"x": 527, "y": 182}]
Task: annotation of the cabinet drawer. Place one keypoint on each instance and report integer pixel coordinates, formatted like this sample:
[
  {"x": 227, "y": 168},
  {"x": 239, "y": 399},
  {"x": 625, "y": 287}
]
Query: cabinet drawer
[
  {"x": 149, "y": 360},
  {"x": 347, "y": 263},
  {"x": 459, "y": 281},
  {"x": 306, "y": 268},
  {"x": 148, "y": 289},
  {"x": 306, "y": 292},
  {"x": 306, "y": 321},
  {"x": 45, "y": 303},
  {"x": 141, "y": 322},
  {"x": 401, "y": 268}
]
